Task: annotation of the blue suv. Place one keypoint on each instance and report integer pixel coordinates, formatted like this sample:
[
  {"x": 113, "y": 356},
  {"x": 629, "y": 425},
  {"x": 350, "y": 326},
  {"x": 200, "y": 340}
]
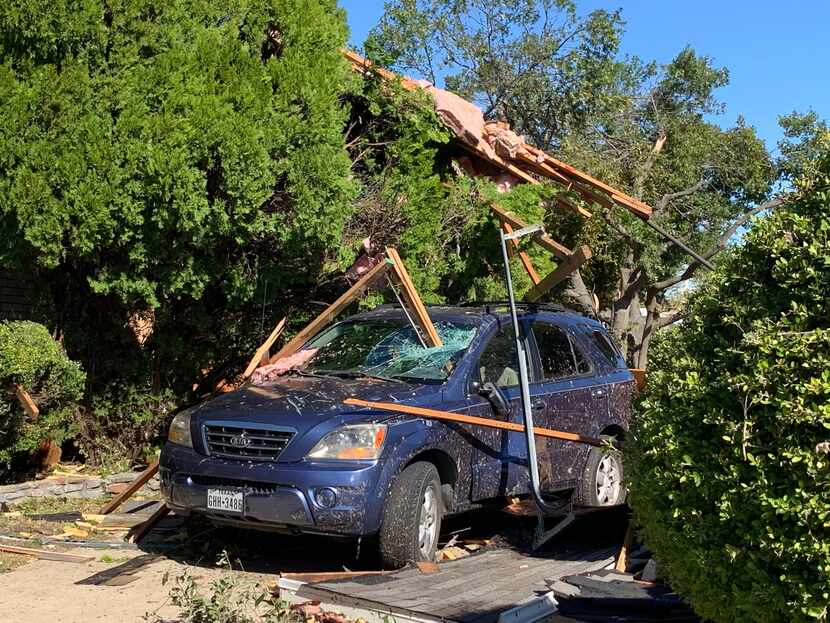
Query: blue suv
[{"x": 288, "y": 455}]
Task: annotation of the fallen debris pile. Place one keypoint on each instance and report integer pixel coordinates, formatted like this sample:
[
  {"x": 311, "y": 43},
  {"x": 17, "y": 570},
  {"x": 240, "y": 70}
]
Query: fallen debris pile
[{"x": 606, "y": 594}]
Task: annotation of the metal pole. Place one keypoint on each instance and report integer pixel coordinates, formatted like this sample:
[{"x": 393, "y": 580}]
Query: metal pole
[{"x": 524, "y": 383}]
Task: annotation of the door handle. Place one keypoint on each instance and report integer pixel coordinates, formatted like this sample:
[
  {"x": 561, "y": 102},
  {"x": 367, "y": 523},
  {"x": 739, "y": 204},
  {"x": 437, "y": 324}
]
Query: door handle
[{"x": 598, "y": 393}]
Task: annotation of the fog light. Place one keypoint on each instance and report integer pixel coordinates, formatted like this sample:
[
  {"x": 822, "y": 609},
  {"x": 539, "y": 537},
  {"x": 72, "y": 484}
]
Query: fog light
[{"x": 326, "y": 498}]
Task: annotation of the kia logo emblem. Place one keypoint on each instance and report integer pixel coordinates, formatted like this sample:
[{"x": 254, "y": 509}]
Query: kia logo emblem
[{"x": 240, "y": 441}]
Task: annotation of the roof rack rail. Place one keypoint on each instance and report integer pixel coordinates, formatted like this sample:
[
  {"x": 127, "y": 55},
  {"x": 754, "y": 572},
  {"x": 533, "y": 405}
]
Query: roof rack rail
[{"x": 556, "y": 307}]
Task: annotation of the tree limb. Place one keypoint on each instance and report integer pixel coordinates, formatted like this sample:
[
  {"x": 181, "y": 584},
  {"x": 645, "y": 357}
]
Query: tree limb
[
  {"x": 642, "y": 174},
  {"x": 720, "y": 244},
  {"x": 669, "y": 197}
]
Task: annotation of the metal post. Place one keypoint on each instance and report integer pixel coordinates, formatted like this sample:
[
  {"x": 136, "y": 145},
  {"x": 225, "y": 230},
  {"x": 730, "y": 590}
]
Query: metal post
[{"x": 524, "y": 382}]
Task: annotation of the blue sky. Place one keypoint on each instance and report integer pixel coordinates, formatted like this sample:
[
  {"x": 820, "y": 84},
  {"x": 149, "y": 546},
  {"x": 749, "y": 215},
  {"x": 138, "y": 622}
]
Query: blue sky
[{"x": 777, "y": 52}]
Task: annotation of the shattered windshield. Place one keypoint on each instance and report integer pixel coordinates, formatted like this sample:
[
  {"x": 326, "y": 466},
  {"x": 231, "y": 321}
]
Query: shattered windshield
[{"x": 387, "y": 348}]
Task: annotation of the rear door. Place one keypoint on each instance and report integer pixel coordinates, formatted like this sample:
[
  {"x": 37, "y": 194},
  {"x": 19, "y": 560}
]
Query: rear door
[{"x": 567, "y": 396}]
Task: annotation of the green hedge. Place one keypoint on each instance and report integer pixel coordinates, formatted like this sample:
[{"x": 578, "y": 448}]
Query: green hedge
[
  {"x": 31, "y": 358},
  {"x": 729, "y": 468}
]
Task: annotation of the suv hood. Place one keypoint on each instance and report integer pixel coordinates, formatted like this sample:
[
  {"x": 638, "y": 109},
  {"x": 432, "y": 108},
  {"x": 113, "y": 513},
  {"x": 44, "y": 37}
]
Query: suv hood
[{"x": 303, "y": 402}]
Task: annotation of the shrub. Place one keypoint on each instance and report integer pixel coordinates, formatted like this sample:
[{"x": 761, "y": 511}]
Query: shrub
[
  {"x": 729, "y": 468},
  {"x": 29, "y": 357},
  {"x": 124, "y": 424}
]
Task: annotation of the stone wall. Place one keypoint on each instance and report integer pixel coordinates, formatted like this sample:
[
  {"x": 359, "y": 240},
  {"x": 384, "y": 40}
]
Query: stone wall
[{"x": 73, "y": 487}]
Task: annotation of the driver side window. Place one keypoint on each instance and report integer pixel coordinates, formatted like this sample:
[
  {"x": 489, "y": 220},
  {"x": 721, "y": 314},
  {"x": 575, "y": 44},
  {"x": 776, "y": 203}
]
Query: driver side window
[{"x": 497, "y": 364}]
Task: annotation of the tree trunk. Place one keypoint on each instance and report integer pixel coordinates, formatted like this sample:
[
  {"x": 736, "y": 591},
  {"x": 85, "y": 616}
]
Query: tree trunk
[
  {"x": 653, "y": 308},
  {"x": 578, "y": 292}
]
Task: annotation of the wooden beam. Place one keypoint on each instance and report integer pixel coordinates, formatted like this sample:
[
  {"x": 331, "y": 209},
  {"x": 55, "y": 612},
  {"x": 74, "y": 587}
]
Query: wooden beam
[
  {"x": 328, "y": 576},
  {"x": 26, "y": 402},
  {"x": 135, "y": 485},
  {"x": 262, "y": 351},
  {"x": 634, "y": 205},
  {"x": 143, "y": 529},
  {"x": 560, "y": 273},
  {"x": 564, "y": 202},
  {"x": 45, "y": 555},
  {"x": 622, "y": 560},
  {"x": 412, "y": 300},
  {"x": 448, "y": 416},
  {"x": 543, "y": 240},
  {"x": 497, "y": 161},
  {"x": 639, "y": 378},
  {"x": 313, "y": 327},
  {"x": 523, "y": 256}
]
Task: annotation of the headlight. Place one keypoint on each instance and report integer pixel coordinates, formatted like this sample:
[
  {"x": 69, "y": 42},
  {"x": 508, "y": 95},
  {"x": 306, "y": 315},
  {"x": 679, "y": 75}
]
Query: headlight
[
  {"x": 359, "y": 441},
  {"x": 180, "y": 429}
]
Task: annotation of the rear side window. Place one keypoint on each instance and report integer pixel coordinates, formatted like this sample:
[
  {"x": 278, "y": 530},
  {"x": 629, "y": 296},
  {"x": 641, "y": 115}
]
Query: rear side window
[
  {"x": 607, "y": 348},
  {"x": 559, "y": 356}
]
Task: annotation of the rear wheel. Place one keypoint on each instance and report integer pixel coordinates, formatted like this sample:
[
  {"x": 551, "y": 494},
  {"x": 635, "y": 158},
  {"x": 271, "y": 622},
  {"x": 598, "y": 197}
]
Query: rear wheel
[
  {"x": 412, "y": 516},
  {"x": 602, "y": 482}
]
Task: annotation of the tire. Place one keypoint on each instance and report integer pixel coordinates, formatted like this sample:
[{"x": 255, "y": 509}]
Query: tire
[
  {"x": 603, "y": 480},
  {"x": 412, "y": 517}
]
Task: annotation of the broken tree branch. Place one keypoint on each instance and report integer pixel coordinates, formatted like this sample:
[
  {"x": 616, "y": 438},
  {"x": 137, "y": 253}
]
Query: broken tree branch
[{"x": 720, "y": 244}]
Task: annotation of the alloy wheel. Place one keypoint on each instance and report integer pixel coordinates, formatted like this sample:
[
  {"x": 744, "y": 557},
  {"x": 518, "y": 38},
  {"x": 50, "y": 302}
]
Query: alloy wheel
[
  {"x": 428, "y": 525},
  {"x": 608, "y": 480}
]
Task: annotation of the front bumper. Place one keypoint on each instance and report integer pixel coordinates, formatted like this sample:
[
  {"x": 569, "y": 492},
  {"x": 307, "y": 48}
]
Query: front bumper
[{"x": 278, "y": 496}]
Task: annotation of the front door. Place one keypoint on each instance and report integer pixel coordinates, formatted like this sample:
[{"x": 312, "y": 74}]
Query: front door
[{"x": 498, "y": 455}]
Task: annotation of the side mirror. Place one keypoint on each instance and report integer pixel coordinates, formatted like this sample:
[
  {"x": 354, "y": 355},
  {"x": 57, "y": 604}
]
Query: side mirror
[{"x": 495, "y": 397}]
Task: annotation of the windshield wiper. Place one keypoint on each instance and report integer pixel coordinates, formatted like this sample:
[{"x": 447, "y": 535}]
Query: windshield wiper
[
  {"x": 316, "y": 375},
  {"x": 424, "y": 380},
  {"x": 354, "y": 374}
]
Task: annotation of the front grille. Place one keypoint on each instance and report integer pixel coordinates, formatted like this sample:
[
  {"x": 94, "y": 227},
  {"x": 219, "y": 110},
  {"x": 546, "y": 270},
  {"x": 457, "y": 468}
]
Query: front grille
[
  {"x": 234, "y": 483},
  {"x": 245, "y": 442}
]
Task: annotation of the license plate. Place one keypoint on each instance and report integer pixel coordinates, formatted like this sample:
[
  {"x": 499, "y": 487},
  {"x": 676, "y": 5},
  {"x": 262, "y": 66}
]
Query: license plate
[{"x": 225, "y": 500}]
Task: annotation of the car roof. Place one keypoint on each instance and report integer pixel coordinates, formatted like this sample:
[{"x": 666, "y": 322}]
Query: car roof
[{"x": 482, "y": 314}]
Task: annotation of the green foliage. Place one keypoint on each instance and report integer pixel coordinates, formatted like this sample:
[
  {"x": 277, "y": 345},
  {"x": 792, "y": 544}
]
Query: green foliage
[
  {"x": 729, "y": 463},
  {"x": 557, "y": 78},
  {"x": 229, "y": 600},
  {"x": 184, "y": 159},
  {"x": 408, "y": 198},
  {"x": 537, "y": 64},
  {"x": 155, "y": 146},
  {"x": 29, "y": 357},
  {"x": 132, "y": 420}
]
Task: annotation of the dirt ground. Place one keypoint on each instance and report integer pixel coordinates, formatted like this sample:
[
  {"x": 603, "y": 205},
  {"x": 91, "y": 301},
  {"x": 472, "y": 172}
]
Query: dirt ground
[{"x": 45, "y": 590}]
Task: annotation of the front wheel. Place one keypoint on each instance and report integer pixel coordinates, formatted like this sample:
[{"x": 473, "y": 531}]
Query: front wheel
[
  {"x": 412, "y": 517},
  {"x": 602, "y": 482}
]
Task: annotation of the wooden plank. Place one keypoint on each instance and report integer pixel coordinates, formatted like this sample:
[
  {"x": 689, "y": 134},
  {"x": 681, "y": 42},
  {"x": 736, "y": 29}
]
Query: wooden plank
[
  {"x": 622, "y": 560},
  {"x": 639, "y": 378},
  {"x": 143, "y": 529},
  {"x": 560, "y": 273},
  {"x": 45, "y": 555},
  {"x": 135, "y": 485},
  {"x": 331, "y": 312},
  {"x": 495, "y": 160},
  {"x": 413, "y": 301},
  {"x": 543, "y": 240},
  {"x": 329, "y": 576},
  {"x": 523, "y": 256},
  {"x": 262, "y": 351},
  {"x": 476, "y": 421},
  {"x": 637, "y": 207},
  {"x": 26, "y": 402},
  {"x": 567, "y": 204}
]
